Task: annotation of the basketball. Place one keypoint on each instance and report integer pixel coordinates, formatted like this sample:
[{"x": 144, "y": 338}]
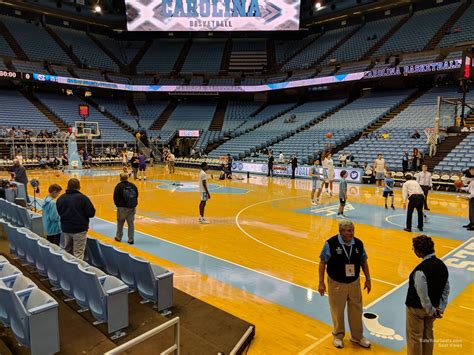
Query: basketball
[
  {"x": 58, "y": 174},
  {"x": 458, "y": 184},
  {"x": 329, "y": 135}
]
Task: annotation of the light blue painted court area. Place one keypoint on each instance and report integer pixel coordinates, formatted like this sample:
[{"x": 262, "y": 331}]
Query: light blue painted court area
[
  {"x": 377, "y": 216},
  {"x": 384, "y": 318},
  {"x": 186, "y": 186},
  {"x": 388, "y": 329}
]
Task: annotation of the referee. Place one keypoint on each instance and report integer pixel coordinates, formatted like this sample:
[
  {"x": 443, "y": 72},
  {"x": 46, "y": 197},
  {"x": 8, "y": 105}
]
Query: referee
[{"x": 413, "y": 193}]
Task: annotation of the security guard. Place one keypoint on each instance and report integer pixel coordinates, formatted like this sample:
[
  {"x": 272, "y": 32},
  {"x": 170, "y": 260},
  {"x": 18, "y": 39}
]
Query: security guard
[{"x": 344, "y": 255}]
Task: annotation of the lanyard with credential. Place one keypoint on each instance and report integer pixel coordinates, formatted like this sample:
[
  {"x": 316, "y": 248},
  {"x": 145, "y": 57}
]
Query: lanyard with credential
[{"x": 345, "y": 252}]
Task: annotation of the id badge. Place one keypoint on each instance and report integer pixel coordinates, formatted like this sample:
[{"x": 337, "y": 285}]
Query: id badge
[{"x": 350, "y": 270}]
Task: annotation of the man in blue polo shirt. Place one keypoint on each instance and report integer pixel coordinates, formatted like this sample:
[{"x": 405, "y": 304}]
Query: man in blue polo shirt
[{"x": 344, "y": 255}]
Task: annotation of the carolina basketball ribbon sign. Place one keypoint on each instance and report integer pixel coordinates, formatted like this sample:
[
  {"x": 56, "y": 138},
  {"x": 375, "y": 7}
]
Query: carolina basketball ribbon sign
[{"x": 213, "y": 15}]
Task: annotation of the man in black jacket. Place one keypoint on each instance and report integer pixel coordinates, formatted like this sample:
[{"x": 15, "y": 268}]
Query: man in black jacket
[
  {"x": 427, "y": 297},
  {"x": 126, "y": 200},
  {"x": 75, "y": 209},
  {"x": 294, "y": 165}
]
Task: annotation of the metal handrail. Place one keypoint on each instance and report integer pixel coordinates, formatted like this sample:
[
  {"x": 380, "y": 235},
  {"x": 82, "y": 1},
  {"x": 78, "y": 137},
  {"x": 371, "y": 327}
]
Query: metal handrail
[{"x": 139, "y": 339}]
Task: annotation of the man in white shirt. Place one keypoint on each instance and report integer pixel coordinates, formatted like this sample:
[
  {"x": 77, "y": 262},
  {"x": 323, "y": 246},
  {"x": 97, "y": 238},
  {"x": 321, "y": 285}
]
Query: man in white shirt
[
  {"x": 470, "y": 191},
  {"x": 413, "y": 193},
  {"x": 379, "y": 168},
  {"x": 281, "y": 157},
  {"x": 204, "y": 192},
  {"x": 426, "y": 183}
]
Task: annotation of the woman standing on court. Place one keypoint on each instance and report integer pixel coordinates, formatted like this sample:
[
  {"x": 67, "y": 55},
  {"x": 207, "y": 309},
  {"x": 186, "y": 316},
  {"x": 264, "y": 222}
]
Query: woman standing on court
[{"x": 328, "y": 172}]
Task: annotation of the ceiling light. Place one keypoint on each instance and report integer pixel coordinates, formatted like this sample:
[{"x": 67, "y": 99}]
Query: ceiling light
[
  {"x": 318, "y": 5},
  {"x": 97, "y": 8}
]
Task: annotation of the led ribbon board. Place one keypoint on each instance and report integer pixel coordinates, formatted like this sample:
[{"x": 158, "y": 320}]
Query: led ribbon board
[
  {"x": 326, "y": 80},
  {"x": 213, "y": 15}
]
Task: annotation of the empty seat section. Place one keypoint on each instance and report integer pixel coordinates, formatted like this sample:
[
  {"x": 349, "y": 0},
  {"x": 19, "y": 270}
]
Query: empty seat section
[
  {"x": 359, "y": 44},
  {"x": 191, "y": 115},
  {"x": 26, "y": 117},
  {"x": 317, "y": 49},
  {"x": 461, "y": 31},
  {"x": 415, "y": 34},
  {"x": 65, "y": 107},
  {"x": 27, "y": 35},
  {"x": 204, "y": 56},
  {"x": 85, "y": 49},
  {"x": 160, "y": 57}
]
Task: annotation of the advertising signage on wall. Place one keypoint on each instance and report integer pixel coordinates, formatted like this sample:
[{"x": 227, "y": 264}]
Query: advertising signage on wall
[
  {"x": 213, "y": 15},
  {"x": 333, "y": 79}
]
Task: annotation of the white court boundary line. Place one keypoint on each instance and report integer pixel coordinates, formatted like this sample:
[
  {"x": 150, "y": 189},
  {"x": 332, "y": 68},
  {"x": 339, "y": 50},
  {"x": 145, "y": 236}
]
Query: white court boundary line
[
  {"x": 406, "y": 281},
  {"x": 279, "y": 250}
]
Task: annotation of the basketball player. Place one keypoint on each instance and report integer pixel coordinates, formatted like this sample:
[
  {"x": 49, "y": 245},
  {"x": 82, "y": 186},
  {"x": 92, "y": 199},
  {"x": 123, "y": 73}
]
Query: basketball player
[
  {"x": 141, "y": 166},
  {"x": 316, "y": 183},
  {"x": 204, "y": 192},
  {"x": 379, "y": 168},
  {"x": 388, "y": 189}
]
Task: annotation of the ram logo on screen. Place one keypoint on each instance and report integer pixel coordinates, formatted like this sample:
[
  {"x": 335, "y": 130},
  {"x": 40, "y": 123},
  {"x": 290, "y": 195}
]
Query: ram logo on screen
[{"x": 213, "y": 15}]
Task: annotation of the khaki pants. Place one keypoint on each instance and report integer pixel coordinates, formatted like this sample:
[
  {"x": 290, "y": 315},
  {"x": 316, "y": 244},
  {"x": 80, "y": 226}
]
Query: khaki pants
[
  {"x": 125, "y": 214},
  {"x": 340, "y": 294},
  {"x": 420, "y": 338},
  {"x": 75, "y": 243}
]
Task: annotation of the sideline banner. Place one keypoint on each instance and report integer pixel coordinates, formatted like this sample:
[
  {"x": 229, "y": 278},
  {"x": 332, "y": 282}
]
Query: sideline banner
[{"x": 354, "y": 174}]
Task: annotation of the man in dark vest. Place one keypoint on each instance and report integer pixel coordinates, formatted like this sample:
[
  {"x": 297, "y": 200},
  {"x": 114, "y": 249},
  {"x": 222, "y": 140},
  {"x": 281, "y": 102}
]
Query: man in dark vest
[
  {"x": 343, "y": 255},
  {"x": 427, "y": 297}
]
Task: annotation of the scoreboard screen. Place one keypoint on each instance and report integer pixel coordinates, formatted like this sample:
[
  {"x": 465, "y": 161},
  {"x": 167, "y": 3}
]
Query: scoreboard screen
[{"x": 213, "y": 15}]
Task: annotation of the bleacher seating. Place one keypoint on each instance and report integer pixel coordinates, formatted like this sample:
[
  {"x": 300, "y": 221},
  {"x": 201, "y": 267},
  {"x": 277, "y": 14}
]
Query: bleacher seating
[
  {"x": 5, "y": 49},
  {"x": 204, "y": 56},
  {"x": 461, "y": 31},
  {"x": 419, "y": 115},
  {"x": 149, "y": 112},
  {"x": 28, "y": 116},
  {"x": 460, "y": 158},
  {"x": 276, "y": 129},
  {"x": 191, "y": 115},
  {"x": 65, "y": 107},
  {"x": 287, "y": 48},
  {"x": 362, "y": 41},
  {"x": 160, "y": 57},
  {"x": 124, "y": 51},
  {"x": 237, "y": 113},
  {"x": 415, "y": 34},
  {"x": 61, "y": 71},
  {"x": 221, "y": 81},
  {"x": 85, "y": 49},
  {"x": 89, "y": 74},
  {"x": 196, "y": 80},
  {"x": 29, "y": 67},
  {"x": 28, "y": 34},
  {"x": 353, "y": 67},
  {"x": 206, "y": 138},
  {"x": 317, "y": 49},
  {"x": 344, "y": 124},
  {"x": 419, "y": 59},
  {"x": 118, "y": 108}
]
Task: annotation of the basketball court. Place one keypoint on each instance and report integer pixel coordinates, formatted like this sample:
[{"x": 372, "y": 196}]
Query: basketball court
[{"x": 258, "y": 258}]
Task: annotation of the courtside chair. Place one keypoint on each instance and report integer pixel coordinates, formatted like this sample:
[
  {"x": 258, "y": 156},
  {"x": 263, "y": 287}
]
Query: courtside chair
[
  {"x": 16, "y": 283},
  {"x": 33, "y": 319},
  {"x": 107, "y": 298},
  {"x": 20, "y": 244},
  {"x": 93, "y": 254},
  {"x": 7, "y": 270},
  {"x": 31, "y": 247},
  {"x": 109, "y": 258},
  {"x": 53, "y": 262},
  {"x": 125, "y": 268},
  {"x": 154, "y": 283},
  {"x": 80, "y": 295}
]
